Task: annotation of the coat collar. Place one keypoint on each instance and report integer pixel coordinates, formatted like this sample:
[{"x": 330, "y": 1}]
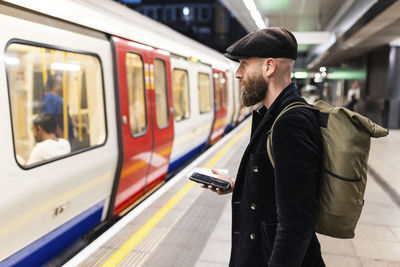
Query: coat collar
[{"x": 262, "y": 116}]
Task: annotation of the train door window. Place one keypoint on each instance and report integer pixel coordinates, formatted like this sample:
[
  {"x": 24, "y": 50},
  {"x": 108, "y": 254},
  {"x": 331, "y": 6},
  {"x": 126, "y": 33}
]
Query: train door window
[
  {"x": 217, "y": 83},
  {"x": 57, "y": 102},
  {"x": 136, "y": 94},
  {"x": 204, "y": 92},
  {"x": 181, "y": 94},
  {"x": 160, "y": 83},
  {"x": 223, "y": 89}
]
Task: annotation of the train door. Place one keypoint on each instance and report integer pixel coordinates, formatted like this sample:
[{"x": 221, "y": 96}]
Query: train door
[
  {"x": 133, "y": 63},
  {"x": 163, "y": 119},
  {"x": 220, "y": 103}
]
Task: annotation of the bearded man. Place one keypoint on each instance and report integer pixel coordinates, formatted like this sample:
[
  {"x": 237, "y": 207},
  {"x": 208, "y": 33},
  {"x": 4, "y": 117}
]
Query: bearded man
[{"x": 274, "y": 209}]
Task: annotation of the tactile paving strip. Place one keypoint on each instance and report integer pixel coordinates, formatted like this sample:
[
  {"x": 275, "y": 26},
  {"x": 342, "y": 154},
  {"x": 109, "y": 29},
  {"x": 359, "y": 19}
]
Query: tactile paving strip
[{"x": 185, "y": 241}]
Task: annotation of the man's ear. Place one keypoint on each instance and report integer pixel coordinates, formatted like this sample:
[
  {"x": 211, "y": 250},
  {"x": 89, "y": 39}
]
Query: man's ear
[
  {"x": 39, "y": 129},
  {"x": 269, "y": 67}
]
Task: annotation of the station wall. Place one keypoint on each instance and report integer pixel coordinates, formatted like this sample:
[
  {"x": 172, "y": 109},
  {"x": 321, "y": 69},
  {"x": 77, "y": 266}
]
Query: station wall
[{"x": 381, "y": 100}]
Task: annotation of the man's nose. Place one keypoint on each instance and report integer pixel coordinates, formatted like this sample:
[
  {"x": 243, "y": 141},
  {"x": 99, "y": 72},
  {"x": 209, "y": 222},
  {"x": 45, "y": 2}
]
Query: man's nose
[{"x": 238, "y": 74}]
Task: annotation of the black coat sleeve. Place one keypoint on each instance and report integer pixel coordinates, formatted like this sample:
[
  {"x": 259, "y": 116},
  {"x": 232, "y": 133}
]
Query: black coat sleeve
[{"x": 297, "y": 153}]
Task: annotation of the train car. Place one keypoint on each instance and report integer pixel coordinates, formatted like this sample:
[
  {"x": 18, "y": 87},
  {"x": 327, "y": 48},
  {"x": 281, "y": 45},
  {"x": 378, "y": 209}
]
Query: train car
[{"x": 98, "y": 103}]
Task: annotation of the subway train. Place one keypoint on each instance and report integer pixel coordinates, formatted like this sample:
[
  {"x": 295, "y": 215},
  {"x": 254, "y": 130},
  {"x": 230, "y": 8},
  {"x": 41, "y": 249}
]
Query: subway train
[{"x": 133, "y": 100}]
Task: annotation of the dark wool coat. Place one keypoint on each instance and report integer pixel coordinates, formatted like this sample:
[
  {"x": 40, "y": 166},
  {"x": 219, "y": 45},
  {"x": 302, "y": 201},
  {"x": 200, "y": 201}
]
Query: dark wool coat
[{"x": 273, "y": 210}]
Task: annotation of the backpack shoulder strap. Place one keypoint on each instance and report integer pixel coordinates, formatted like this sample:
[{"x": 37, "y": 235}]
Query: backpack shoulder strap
[{"x": 289, "y": 107}]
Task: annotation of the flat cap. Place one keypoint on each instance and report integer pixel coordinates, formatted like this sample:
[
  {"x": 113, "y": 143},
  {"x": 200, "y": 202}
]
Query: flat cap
[{"x": 269, "y": 42}]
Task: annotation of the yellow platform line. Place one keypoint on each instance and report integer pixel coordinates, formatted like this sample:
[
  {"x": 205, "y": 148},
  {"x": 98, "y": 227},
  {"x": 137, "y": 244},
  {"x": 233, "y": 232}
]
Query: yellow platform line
[
  {"x": 227, "y": 147},
  {"x": 134, "y": 240}
]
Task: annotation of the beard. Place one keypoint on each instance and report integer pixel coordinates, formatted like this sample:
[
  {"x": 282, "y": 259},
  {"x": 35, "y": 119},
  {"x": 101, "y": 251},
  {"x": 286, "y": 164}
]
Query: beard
[{"x": 253, "y": 90}]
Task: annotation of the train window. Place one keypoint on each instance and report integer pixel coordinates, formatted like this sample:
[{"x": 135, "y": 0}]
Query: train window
[
  {"x": 150, "y": 13},
  {"x": 136, "y": 94},
  {"x": 204, "y": 92},
  {"x": 204, "y": 14},
  {"x": 57, "y": 102},
  {"x": 169, "y": 15},
  {"x": 160, "y": 83},
  {"x": 181, "y": 94},
  {"x": 217, "y": 84}
]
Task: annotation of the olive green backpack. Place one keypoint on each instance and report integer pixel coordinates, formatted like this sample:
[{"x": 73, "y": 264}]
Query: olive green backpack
[{"x": 346, "y": 138}]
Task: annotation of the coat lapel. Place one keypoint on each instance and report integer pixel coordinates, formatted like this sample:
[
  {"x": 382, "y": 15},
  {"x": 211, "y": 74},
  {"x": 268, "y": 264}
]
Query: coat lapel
[{"x": 267, "y": 119}]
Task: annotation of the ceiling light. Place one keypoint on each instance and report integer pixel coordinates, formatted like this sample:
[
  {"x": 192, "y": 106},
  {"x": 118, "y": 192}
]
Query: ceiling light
[
  {"x": 257, "y": 19},
  {"x": 186, "y": 11},
  {"x": 255, "y": 14},
  {"x": 300, "y": 75},
  {"x": 250, "y": 4},
  {"x": 65, "y": 66},
  {"x": 11, "y": 60}
]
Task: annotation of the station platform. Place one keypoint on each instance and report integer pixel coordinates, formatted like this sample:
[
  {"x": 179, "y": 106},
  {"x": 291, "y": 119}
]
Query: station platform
[{"x": 182, "y": 224}]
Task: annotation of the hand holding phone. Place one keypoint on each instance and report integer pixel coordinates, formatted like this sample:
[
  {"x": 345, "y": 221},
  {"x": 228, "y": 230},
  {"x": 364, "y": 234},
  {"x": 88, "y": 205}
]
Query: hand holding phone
[
  {"x": 209, "y": 180},
  {"x": 213, "y": 184}
]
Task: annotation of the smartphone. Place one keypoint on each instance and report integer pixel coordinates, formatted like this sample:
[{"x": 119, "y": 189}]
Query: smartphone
[{"x": 209, "y": 180}]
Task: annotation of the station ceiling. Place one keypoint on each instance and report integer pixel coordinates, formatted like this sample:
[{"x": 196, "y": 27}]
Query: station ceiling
[{"x": 328, "y": 31}]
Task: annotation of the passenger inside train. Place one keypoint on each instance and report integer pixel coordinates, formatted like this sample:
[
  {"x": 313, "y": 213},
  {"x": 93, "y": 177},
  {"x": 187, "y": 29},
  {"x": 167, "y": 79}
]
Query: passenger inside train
[
  {"x": 53, "y": 103},
  {"x": 48, "y": 144}
]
